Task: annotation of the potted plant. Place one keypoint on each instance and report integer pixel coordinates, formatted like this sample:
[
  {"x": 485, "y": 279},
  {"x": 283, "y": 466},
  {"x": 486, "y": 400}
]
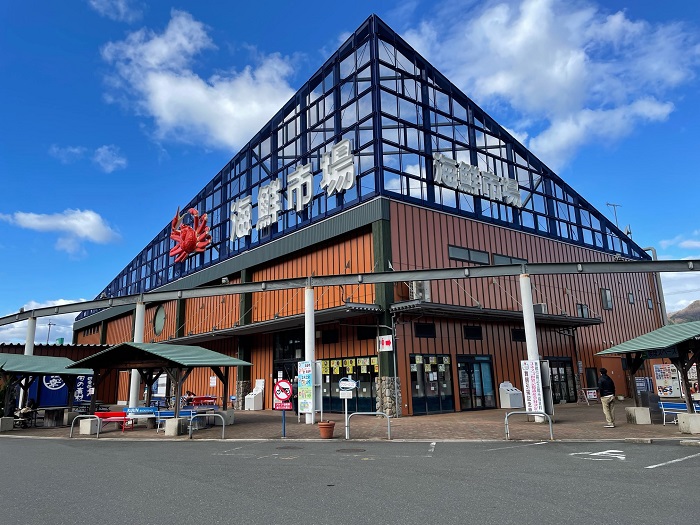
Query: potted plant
[{"x": 326, "y": 429}]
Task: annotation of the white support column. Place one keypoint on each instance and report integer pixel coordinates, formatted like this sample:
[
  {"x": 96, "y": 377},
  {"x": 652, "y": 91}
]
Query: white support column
[
  {"x": 28, "y": 350},
  {"x": 530, "y": 330},
  {"x": 310, "y": 346},
  {"x": 139, "y": 326}
]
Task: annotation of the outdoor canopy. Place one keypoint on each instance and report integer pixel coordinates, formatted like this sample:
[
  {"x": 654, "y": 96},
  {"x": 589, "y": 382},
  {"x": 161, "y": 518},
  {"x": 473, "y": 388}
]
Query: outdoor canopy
[
  {"x": 150, "y": 359},
  {"x": 680, "y": 343},
  {"x": 15, "y": 368}
]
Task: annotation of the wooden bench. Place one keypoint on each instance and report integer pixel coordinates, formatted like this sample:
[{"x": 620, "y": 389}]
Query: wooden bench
[
  {"x": 673, "y": 408},
  {"x": 121, "y": 418}
]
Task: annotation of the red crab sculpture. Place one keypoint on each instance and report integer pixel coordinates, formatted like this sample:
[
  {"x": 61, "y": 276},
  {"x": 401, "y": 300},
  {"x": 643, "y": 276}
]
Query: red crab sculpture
[{"x": 187, "y": 239}]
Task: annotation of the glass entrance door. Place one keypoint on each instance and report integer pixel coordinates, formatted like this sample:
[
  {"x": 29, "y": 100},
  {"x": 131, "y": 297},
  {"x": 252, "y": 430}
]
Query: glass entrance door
[
  {"x": 475, "y": 375},
  {"x": 563, "y": 385},
  {"x": 431, "y": 384}
]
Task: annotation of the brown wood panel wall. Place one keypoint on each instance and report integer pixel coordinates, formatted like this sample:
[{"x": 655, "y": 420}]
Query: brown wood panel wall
[
  {"x": 354, "y": 254},
  {"x": 204, "y": 314},
  {"x": 169, "y": 327},
  {"x": 120, "y": 330},
  {"x": 413, "y": 248}
]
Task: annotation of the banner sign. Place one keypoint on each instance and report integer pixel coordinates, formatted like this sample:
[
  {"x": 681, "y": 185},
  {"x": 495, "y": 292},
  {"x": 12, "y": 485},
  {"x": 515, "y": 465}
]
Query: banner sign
[
  {"x": 532, "y": 386},
  {"x": 306, "y": 387}
]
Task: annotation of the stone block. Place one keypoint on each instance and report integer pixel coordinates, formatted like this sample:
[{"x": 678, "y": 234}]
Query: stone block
[
  {"x": 689, "y": 423},
  {"x": 88, "y": 426},
  {"x": 68, "y": 418},
  {"x": 6, "y": 423},
  {"x": 638, "y": 415},
  {"x": 226, "y": 414},
  {"x": 176, "y": 427}
]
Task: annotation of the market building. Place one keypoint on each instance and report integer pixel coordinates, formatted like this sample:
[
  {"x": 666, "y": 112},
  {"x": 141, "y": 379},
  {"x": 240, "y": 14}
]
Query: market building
[{"x": 379, "y": 163}]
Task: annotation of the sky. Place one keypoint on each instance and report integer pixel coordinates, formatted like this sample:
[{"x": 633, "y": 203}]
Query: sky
[{"x": 114, "y": 113}]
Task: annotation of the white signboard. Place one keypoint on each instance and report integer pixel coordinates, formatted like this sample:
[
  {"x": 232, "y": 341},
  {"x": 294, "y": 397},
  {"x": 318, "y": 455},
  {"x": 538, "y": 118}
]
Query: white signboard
[
  {"x": 306, "y": 387},
  {"x": 532, "y": 386},
  {"x": 384, "y": 343},
  {"x": 667, "y": 382}
]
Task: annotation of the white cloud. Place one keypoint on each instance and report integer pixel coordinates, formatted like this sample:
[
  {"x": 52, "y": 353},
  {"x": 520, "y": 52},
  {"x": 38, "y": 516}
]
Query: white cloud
[
  {"x": 67, "y": 154},
  {"x": 692, "y": 244},
  {"x": 62, "y": 325},
  {"x": 574, "y": 73},
  {"x": 109, "y": 158},
  {"x": 680, "y": 289},
  {"x": 119, "y": 10},
  {"x": 153, "y": 73},
  {"x": 74, "y": 227}
]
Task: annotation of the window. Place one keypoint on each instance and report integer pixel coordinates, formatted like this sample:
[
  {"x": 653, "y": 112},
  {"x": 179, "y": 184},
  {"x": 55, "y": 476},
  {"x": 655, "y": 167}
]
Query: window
[
  {"x": 606, "y": 298},
  {"x": 365, "y": 333},
  {"x": 630, "y": 298},
  {"x": 582, "y": 310},
  {"x": 650, "y": 304},
  {"x": 518, "y": 335},
  {"x": 329, "y": 337},
  {"x": 505, "y": 259},
  {"x": 424, "y": 330},
  {"x": 473, "y": 333},
  {"x": 467, "y": 254}
]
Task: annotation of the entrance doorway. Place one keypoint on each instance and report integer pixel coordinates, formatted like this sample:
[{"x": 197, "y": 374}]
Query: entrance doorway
[
  {"x": 431, "y": 384},
  {"x": 562, "y": 374},
  {"x": 364, "y": 370},
  {"x": 476, "y": 390},
  {"x": 288, "y": 351}
]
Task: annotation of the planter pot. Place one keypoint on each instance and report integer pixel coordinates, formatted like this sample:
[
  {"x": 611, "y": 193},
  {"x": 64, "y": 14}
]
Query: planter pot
[{"x": 326, "y": 429}]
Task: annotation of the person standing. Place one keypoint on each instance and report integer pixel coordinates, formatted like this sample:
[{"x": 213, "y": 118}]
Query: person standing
[{"x": 606, "y": 388}]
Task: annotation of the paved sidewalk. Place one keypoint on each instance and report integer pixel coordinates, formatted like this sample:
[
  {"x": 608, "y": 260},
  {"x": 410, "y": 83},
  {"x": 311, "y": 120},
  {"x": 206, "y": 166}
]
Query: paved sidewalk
[{"x": 571, "y": 422}]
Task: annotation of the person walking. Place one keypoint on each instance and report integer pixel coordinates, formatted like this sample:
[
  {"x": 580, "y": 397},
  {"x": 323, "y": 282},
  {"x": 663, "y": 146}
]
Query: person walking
[{"x": 606, "y": 388}]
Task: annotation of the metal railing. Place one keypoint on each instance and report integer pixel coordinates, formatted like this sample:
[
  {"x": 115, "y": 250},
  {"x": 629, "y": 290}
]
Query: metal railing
[
  {"x": 388, "y": 422},
  {"x": 525, "y": 412},
  {"x": 195, "y": 416}
]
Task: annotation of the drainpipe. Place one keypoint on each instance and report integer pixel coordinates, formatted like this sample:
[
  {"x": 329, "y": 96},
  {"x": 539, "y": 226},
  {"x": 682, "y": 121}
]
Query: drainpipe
[{"x": 659, "y": 288}]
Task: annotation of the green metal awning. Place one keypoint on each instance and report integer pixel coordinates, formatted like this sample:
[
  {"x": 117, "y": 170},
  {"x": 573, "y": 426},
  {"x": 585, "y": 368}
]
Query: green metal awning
[
  {"x": 659, "y": 339},
  {"x": 158, "y": 355},
  {"x": 40, "y": 365}
]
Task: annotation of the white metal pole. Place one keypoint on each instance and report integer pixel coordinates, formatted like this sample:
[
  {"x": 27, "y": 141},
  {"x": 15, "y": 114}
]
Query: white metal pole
[
  {"x": 139, "y": 326},
  {"x": 530, "y": 331},
  {"x": 28, "y": 350},
  {"x": 309, "y": 347}
]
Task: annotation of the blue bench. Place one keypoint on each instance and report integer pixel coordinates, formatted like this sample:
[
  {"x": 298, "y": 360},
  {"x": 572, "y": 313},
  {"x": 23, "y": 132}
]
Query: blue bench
[
  {"x": 163, "y": 415},
  {"x": 673, "y": 408}
]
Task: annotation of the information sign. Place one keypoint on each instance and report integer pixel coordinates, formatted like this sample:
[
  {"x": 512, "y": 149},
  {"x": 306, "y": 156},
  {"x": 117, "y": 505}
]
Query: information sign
[
  {"x": 532, "y": 386},
  {"x": 347, "y": 383}
]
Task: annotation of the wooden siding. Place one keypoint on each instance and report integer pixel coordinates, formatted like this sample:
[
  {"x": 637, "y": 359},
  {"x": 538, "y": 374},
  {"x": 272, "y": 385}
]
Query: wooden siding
[
  {"x": 169, "y": 327},
  {"x": 347, "y": 255},
  {"x": 120, "y": 330},
  {"x": 420, "y": 240}
]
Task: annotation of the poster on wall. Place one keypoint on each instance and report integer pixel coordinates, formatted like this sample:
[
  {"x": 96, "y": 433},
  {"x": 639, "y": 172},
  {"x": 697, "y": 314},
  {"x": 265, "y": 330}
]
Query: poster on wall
[{"x": 667, "y": 381}]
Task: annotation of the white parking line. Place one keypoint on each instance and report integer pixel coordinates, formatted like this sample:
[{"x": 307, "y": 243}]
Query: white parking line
[
  {"x": 673, "y": 461},
  {"x": 517, "y": 446}
]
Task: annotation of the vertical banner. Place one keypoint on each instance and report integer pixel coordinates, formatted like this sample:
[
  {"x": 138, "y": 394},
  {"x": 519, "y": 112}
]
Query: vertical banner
[
  {"x": 306, "y": 387},
  {"x": 532, "y": 386}
]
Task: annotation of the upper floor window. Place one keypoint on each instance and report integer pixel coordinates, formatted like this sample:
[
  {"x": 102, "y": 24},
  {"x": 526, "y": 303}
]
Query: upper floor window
[
  {"x": 467, "y": 254},
  {"x": 606, "y": 298},
  {"x": 582, "y": 310},
  {"x": 505, "y": 259}
]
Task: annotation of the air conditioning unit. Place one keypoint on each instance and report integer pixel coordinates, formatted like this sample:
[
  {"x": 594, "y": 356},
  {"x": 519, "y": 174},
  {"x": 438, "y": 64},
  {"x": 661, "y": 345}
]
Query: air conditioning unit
[
  {"x": 539, "y": 308},
  {"x": 415, "y": 291}
]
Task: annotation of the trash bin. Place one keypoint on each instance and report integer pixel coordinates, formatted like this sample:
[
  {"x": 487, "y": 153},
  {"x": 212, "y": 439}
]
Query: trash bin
[
  {"x": 254, "y": 400},
  {"x": 511, "y": 397}
]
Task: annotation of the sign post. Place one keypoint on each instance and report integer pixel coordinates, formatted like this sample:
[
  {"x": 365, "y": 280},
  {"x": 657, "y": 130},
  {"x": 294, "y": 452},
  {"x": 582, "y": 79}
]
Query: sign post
[
  {"x": 283, "y": 394},
  {"x": 346, "y": 385}
]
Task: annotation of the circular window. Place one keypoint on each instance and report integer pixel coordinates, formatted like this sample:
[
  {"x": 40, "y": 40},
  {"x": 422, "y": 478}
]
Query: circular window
[{"x": 159, "y": 320}]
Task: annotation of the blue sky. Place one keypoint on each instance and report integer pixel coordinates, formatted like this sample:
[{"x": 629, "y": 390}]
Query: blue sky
[{"x": 116, "y": 112}]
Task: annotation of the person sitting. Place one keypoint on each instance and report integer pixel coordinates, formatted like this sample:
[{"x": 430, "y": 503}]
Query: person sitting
[{"x": 189, "y": 397}]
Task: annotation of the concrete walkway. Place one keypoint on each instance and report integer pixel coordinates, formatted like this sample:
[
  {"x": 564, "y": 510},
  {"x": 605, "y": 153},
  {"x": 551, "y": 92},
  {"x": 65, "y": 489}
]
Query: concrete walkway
[{"x": 577, "y": 422}]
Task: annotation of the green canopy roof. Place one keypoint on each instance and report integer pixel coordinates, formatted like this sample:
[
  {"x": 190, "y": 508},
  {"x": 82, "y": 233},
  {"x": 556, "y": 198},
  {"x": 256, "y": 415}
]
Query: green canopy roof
[
  {"x": 40, "y": 365},
  {"x": 157, "y": 355},
  {"x": 664, "y": 337}
]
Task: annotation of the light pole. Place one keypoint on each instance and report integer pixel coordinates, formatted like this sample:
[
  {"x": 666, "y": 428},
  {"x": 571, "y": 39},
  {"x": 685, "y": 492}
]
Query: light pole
[{"x": 48, "y": 334}]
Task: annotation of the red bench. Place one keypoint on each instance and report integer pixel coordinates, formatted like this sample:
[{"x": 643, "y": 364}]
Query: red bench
[{"x": 122, "y": 418}]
